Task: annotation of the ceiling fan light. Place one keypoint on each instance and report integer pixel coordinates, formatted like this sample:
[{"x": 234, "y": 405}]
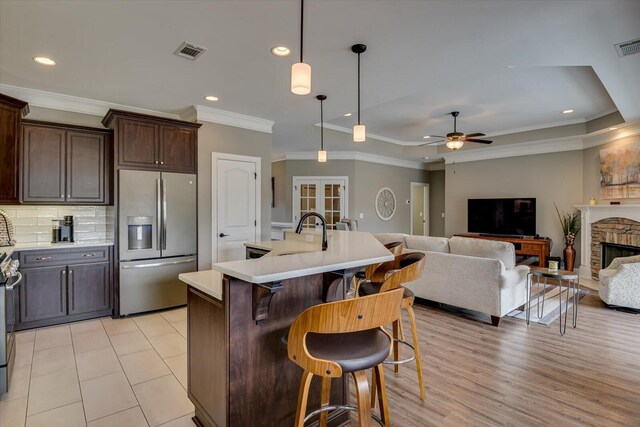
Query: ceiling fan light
[
  {"x": 359, "y": 133},
  {"x": 322, "y": 156},
  {"x": 455, "y": 144},
  {"x": 301, "y": 78}
]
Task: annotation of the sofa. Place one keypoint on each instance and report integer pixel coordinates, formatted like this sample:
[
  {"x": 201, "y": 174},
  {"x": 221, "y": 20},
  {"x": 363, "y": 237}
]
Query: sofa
[
  {"x": 474, "y": 274},
  {"x": 620, "y": 282}
]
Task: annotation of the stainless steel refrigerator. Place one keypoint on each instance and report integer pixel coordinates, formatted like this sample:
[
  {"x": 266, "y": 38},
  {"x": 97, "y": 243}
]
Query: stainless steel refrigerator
[{"x": 157, "y": 232}]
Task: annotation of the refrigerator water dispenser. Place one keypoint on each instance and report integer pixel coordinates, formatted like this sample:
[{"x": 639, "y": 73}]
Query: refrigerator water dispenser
[{"x": 140, "y": 232}]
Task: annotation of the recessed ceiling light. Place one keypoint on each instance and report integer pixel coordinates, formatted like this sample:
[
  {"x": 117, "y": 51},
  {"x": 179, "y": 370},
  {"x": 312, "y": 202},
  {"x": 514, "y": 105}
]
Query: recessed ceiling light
[
  {"x": 613, "y": 128},
  {"x": 426, "y": 137},
  {"x": 211, "y": 98},
  {"x": 44, "y": 61},
  {"x": 426, "y": 158},
  {"x": 569, "y": 111},
  {"x": 347, "y": 114},
  {"x": 511, "y": 67},
  {"x": 281, "y": 51}
]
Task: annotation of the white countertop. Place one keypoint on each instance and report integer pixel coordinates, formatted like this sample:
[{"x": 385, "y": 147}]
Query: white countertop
[
  {"x": 346, "y": 249},
  {"x": 208, "y": 281},
  {"x": 284, "y": 247},
  {"x": 44, "y": 246}
]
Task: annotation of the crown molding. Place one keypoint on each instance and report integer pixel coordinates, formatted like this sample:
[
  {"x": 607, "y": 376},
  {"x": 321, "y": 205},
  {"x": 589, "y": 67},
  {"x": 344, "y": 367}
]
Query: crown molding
[
  {"x": 75, "y": 104},
  {"x": 351, "y": 155},
  {"x": 515, "y": 150},
  {"x": 369, "y": 135},
  {"x": 228, "y": 118}
]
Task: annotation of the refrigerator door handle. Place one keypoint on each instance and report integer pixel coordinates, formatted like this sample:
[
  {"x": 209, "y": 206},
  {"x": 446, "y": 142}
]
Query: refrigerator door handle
[
  {"x": 158, "y": 264},
  {"x": 164, "y": 215},
  {"x": 158, "y": 215}
]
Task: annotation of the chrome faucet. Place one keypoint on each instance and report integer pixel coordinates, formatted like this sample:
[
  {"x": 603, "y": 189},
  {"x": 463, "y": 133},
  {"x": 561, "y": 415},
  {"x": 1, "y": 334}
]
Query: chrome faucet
[{"x": 324, "y": 227}]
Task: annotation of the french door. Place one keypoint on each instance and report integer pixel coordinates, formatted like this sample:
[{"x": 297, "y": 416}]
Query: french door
[{"x": 324, "y": 195}]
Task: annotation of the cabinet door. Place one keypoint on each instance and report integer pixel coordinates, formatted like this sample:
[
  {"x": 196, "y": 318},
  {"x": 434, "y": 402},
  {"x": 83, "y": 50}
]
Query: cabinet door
[
  {"x": 137, "y": 144},
  {"x": 89, "y": 288},
  {"x": 43, "y": 164},
  {"x": 43, "y": 293},
  {"x": 177, "y": 149},
  {"x": 85, "y": 167},
  {"x": 9, "y": 137}
]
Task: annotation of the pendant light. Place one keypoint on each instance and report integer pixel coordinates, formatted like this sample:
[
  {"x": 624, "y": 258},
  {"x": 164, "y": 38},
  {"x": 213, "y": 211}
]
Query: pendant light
[
  {"x": 322, "y": 154},
  {"x": 301, "y": 72},
  {"x": 359, "y": 131}
]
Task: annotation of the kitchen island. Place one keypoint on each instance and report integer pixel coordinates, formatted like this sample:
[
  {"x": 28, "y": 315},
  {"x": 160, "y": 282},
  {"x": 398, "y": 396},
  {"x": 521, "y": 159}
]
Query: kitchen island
[{"x": 239, "y": 314}]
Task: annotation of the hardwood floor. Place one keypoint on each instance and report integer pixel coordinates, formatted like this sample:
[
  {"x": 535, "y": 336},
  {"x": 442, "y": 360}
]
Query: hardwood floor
[{"x": 514, "y": 375}]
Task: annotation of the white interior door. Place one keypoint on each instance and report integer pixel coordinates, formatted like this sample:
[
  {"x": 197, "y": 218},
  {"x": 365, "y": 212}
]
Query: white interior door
[
  {"x": 325, "y": 195},
  {"x": 235, "y": 205}
]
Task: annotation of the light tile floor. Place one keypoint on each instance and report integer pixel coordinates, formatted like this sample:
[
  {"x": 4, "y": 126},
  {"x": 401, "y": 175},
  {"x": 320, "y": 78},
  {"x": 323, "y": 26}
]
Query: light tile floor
[{"x": 101, "y": 373}]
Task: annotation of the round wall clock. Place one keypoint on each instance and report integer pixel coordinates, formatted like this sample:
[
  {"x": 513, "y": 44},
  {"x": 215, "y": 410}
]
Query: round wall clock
[{"x": 385, "y": 203}]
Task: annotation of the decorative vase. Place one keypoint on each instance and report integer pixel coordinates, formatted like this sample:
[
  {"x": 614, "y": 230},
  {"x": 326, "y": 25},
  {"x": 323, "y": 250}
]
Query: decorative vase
[{"x": 569, "y": 257}]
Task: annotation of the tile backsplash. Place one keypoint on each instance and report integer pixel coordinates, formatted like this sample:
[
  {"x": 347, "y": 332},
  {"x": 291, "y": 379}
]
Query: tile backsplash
[{"x": 33, "y": 223}]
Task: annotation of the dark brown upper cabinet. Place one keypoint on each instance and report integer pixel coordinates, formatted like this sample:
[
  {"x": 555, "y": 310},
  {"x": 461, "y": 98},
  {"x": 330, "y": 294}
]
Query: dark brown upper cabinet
[
  {"x": 153, "y": 143},
  {"x": 64, "y": 164},
  {"x": 11, "y": 112}
]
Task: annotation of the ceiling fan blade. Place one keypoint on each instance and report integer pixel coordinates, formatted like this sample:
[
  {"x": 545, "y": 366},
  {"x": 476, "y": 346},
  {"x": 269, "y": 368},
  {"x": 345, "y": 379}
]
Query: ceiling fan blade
[
  {"x": 481, "y": 141},
  {"x": 473, "y": 135},
  {"x": 430, "y": 143}
]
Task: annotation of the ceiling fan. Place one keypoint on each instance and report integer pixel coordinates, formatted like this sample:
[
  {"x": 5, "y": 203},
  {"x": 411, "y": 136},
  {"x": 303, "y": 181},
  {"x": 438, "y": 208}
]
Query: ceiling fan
[{"x": 455, "y": 140}]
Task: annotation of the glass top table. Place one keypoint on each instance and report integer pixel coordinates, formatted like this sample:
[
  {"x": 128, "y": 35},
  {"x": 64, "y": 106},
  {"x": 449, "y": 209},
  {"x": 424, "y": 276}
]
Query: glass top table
[{"x": 572, "y": 282}]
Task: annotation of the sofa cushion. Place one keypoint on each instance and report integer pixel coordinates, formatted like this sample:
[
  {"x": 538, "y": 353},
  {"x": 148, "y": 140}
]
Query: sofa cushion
[
  {"x": 502, "y": 251},
  {"x": 427, "y": 243},
  {"x": 385, "y": 238}
]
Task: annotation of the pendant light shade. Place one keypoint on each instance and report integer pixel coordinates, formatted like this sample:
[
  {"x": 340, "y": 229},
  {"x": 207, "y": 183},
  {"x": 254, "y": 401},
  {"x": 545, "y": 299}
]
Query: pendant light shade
[
  {"x": 301, "y": 78},
  {"x": 322, "y": 154},
  {"x": 359, "y": 130},
  {"x": 301, "y": 72},
  {"x": 359, "y": 133}
]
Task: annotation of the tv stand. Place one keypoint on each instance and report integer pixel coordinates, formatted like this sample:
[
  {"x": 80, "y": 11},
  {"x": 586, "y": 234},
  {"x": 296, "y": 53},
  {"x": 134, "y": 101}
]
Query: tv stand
[
  {"x": 508, "y": 236},
  {"x": 524, "y": 245}
]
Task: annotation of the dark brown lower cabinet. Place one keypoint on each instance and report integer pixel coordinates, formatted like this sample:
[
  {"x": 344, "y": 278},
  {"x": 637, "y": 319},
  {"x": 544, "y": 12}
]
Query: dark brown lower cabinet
[
  {"x": 88, "y": 288},
  {"x": 74, "y": 290},
  {"x": 43, "y": 294}
]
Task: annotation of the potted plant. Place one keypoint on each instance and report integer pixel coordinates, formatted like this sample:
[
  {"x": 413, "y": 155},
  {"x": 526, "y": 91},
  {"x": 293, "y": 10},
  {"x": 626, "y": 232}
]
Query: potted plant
[{"x": 570, "y": 222}]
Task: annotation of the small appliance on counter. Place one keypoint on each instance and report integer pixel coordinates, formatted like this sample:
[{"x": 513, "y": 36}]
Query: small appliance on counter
[{"x": 62, "y": 230}]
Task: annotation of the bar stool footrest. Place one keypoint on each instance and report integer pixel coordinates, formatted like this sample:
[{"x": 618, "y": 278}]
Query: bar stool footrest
[
  {"x": 327, "y": 408},
  {"x": 403, "y": 361}
]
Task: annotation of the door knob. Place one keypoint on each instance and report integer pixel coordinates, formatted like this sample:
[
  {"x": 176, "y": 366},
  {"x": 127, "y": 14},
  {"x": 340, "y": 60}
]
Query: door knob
[{"x": 222, "y": 235}]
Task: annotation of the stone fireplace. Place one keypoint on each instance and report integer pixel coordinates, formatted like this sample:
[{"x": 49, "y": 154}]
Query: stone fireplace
[{"x": 606, "y": 224}]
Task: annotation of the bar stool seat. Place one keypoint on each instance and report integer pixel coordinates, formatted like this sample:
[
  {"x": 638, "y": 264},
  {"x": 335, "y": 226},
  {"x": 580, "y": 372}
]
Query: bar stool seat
[{"x": 353, "y": 351}]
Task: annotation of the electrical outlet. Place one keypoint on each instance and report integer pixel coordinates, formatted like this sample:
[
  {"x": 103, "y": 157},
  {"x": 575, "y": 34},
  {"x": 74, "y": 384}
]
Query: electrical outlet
[
  {"x": 442, "y": 214},
  {"x": 309, "y": 237}
]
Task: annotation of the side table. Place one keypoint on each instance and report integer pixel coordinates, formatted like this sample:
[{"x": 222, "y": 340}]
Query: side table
[{"x": 572, "y": 284}]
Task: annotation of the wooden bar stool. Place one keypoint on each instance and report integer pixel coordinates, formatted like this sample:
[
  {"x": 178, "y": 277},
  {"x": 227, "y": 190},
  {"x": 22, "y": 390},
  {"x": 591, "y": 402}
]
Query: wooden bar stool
[
  {"x": 391, "y": 275},
  {"x": 344, "y": 337},
  {"x": 394, "y": 247}
]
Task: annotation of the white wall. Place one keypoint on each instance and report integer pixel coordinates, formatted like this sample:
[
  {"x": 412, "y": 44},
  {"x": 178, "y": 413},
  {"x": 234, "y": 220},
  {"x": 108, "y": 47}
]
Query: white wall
[
  {"x": 555, "y": 177},
  {"x": 213, "y": 137}
]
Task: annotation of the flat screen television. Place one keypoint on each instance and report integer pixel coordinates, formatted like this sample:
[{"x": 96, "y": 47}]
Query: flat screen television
[{"x": 513, "y": 217}]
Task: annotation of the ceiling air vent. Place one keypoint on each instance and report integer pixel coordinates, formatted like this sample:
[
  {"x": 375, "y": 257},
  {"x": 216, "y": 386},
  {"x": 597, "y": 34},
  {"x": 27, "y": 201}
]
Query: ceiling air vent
[
  {"x": 189, "y": 50},
  {"x": 628, "y": 48}
]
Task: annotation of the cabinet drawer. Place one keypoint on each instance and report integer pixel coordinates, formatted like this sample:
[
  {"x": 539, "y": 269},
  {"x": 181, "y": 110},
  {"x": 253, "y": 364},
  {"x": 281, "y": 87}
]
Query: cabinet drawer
[
  {"x": 531, "y": 248},
  {"x": 51, "y": 257}
]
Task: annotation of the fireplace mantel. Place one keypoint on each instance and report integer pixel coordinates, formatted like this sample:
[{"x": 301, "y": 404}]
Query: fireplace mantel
[{"x": 594, "y": 213}]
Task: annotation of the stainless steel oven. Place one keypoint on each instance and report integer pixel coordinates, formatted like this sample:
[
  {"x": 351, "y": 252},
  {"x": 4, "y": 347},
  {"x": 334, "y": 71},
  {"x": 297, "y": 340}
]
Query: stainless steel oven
[{"x": 10, "y": 279}]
